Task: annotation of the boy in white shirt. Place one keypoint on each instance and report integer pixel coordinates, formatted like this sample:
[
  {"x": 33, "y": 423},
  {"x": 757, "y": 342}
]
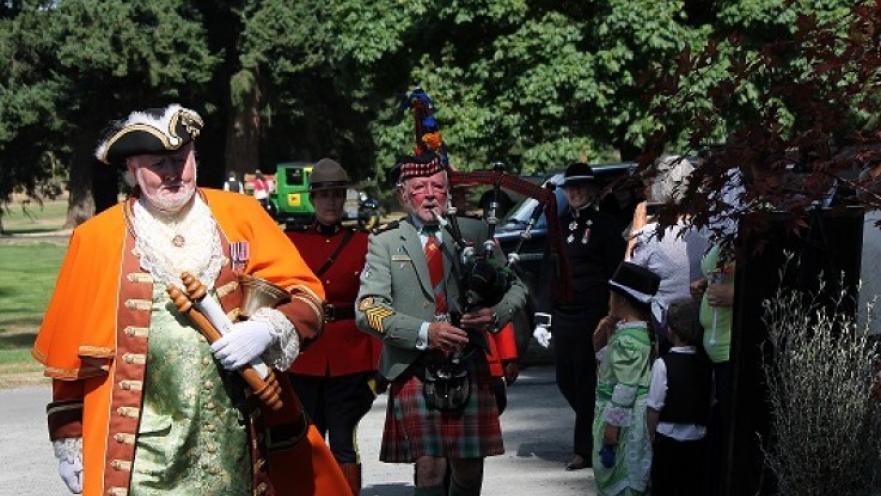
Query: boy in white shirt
[{"x": 679, "y": 406}]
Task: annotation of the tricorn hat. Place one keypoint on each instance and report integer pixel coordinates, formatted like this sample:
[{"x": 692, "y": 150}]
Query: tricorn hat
[
  {"x": 328, "y": 174},
  {"x": 422, "y": 165},
  {"x": 637, "y": 281},
  {"x": 151, "y": 131},
  {"x": 578, "y": 172}
]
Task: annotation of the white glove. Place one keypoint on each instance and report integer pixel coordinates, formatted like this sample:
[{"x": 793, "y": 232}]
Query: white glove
[
  {"x": 69, "y": 452},
  {"x": 247, "y": 341},
  {"x": 542, "y": 334}
]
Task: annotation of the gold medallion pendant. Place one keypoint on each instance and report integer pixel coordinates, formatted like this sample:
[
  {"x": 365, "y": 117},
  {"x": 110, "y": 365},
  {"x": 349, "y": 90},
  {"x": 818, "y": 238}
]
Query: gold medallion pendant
[{"x": 178, "y": 240}]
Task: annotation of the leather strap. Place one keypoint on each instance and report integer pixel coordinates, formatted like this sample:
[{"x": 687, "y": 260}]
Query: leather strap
[{"x": 339, "y": 249}]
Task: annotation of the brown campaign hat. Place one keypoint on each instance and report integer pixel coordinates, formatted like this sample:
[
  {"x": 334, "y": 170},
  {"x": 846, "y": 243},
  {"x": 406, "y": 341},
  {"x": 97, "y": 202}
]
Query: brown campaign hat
[{"x": 328, "y": 174}]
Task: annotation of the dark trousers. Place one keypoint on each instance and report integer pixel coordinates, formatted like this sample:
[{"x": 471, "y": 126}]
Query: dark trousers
[
  {"x": 336, "y": 405},
  {"x": 718, "y": 428},
  {"x": 677, "y": 467},
  {"x": 576, "y": 369}
]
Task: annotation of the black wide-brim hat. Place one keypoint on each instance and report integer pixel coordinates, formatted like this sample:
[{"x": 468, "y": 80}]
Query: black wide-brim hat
[
  {"x": 152, "y": 131},
  {"x": 637, "y": 281},
  {"x": 328, "y": 174},
  {"x": 578, "y": 173},
  {"x": 422, "y": 165}
]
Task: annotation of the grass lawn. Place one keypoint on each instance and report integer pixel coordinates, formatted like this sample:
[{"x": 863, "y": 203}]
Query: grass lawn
[
  {"x": 32, "y": 218},
  {"x": 27, "y": 277}
]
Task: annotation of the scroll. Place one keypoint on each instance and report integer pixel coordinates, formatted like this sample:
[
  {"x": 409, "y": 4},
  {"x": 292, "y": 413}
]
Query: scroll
[{"x": 209, "y": 319}]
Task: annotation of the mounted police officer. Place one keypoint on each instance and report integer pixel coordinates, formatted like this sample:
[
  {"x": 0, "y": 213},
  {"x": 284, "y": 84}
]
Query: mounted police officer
[
  {"x": 409, "y": 287},
  {"x": 335, "y": 377}
]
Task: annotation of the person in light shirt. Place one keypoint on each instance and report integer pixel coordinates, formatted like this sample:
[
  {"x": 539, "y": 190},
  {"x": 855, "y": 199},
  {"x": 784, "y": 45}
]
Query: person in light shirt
[{"x": 679, "y": 406}]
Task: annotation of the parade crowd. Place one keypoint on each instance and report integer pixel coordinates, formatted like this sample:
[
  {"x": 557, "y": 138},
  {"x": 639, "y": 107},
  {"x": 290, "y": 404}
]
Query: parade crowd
[{"x": 196, "y": 348}]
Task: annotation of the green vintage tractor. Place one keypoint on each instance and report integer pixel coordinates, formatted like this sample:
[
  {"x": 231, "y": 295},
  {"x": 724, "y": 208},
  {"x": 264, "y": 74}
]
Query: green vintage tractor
[
  {"x": 291, "y": 195},
  {"x": 290, "y": 205}
]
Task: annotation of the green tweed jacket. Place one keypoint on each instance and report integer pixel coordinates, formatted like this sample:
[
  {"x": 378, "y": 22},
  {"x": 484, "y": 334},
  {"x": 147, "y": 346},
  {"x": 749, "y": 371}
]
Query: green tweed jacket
[{"x": 396, "y": 295}]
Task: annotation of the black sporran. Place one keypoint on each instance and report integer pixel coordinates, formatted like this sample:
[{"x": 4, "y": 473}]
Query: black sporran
[{"x": 446, "y": 386}]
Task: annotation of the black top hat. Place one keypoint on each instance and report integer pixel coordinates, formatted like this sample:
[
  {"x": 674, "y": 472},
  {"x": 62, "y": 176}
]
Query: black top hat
[
  {"x": 578, "y": 172},
  {"x": 638, "y": 282},
  {"x": 328, "y": 174},
  {"x": 422, "y": 165},
  {"x": 152, "y": 131}
]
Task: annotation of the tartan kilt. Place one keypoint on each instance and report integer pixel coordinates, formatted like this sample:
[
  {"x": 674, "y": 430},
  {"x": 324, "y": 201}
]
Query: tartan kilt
[{"x": 412, "y": 430}]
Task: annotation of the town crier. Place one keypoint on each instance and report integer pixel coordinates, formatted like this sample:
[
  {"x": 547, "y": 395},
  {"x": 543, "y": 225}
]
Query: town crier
[{"x": 142, "y": 403}]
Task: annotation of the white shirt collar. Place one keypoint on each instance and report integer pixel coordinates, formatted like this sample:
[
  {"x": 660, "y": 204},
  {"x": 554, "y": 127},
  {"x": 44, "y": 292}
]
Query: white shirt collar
[
  {"x": 683, "y": 349},
  {"x": 423, "y": 237}
]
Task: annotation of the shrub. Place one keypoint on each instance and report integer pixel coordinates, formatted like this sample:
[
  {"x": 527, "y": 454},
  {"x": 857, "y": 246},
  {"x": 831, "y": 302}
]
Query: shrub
[{"x": 825, "y": 426}]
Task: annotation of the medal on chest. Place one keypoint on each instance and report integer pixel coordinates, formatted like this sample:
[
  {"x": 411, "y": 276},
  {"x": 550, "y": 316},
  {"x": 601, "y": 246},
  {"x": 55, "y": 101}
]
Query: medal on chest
[
  {"x": 572, "y": 227},
  {"x": 586, "y": 236},
  {"x": 239, "y": 253}
]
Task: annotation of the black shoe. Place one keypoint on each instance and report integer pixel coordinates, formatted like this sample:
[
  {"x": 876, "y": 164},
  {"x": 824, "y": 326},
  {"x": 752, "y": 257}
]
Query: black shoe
[{"x": 578, "y": 462}]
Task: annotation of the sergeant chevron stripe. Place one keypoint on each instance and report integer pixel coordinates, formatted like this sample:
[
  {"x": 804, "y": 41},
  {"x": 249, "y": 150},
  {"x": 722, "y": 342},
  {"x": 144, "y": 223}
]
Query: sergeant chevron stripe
[{"x": 375, "y": 313}]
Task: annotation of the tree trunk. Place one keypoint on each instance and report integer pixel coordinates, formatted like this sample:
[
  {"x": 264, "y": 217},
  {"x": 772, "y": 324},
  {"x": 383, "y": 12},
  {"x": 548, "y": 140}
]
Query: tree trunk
[
  {"x": 105, "y": 184},
  {"x": 243, "y": 131},
  {"x": 81, "y": 203}
]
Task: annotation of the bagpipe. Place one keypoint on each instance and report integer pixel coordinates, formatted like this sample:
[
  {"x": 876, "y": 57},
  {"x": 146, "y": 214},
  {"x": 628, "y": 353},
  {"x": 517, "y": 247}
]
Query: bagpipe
[
  {"x": 485, "y": 279},
  {"x": 485, "y": 275}
]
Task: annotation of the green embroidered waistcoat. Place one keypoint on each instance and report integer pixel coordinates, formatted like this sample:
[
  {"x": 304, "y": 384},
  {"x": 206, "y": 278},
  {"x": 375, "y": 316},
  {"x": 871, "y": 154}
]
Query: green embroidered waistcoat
[{"x": 191, "y": 439}]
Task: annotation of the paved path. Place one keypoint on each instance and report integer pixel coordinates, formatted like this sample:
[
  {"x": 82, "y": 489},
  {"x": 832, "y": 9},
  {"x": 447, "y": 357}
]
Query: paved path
[{"x": 537, "y": 430}]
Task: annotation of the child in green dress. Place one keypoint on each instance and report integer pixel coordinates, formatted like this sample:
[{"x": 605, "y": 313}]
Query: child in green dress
[{"x": 622, "y": 462}]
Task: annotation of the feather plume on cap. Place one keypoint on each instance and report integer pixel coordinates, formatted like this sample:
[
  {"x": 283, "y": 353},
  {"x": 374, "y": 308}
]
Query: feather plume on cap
[{"x": 151, "y": 131}]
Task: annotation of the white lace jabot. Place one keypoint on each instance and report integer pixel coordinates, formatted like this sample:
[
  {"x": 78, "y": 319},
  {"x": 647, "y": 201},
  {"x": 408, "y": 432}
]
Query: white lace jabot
[{"x": 170, "y": 245}]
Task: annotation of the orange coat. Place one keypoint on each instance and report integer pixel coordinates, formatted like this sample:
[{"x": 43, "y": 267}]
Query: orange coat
[{"x": 77, "y": 342}]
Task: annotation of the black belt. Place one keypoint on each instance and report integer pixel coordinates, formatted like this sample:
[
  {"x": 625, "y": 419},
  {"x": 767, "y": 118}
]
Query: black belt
[{"x": 333, "y": 313}]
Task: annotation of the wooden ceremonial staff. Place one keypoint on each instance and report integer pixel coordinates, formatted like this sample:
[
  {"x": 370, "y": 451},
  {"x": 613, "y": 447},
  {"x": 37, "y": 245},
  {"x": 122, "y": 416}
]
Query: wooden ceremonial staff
[{"x": 268, "y": 389}]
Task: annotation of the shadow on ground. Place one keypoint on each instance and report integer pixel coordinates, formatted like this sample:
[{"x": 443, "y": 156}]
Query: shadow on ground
[
  {"x": 398, "y": 489},
  {"x": 17, "y": 340},
  {"x": 549, "y": 451}
]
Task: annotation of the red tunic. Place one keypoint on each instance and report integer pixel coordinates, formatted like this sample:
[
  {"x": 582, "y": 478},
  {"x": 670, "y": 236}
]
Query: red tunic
[
  {"x": 502, "y": 349},
  {"x": 342, "y": 349}
]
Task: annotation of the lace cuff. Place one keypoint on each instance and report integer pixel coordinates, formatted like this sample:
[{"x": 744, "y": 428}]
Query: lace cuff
[
  {"x": 619, "y": 416},
  {"x": 69, "y": 449},
  {"x": 286, "y": 343}
]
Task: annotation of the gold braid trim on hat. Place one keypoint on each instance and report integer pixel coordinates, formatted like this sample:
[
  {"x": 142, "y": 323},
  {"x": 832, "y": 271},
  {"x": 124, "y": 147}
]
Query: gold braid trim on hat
[
  {"x": 171, "y": 141},
  {"x": 166, "y": 142}
]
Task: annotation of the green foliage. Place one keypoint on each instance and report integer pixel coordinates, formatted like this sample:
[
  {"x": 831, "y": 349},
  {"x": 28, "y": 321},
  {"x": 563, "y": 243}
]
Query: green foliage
[
  {"x": 535, "y": 84},
  {"x": 28, "y": 102}
]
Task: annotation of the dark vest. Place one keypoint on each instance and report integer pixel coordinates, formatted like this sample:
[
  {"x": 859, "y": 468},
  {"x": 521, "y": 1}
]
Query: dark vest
[{"x": 689, "y": 386}]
